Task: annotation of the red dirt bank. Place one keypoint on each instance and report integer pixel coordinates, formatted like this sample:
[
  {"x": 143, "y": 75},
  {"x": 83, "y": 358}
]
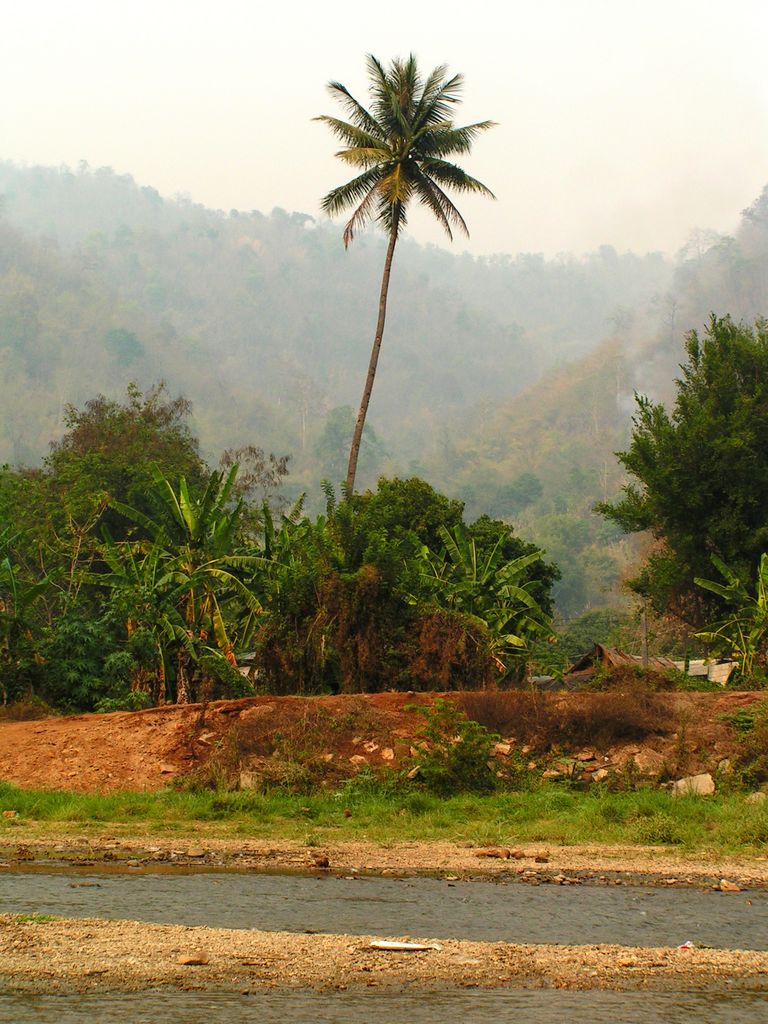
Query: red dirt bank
[{"x": 147, "y": 749}]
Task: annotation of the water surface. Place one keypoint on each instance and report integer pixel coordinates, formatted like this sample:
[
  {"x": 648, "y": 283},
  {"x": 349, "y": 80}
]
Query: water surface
[
  {"x": 514, "y": 912},
  {"x": 453, "y": 1007}
]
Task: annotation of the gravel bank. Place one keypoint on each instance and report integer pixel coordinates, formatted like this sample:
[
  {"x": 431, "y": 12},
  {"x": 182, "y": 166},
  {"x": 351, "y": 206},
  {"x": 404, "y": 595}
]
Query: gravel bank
[
  {"x": 649, "y": 865},
  {"x": 61, "y": 954}
]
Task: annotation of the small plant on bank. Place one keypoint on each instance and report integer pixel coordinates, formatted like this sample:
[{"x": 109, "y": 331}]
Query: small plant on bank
[
  {"x": 456, "y": 753},
  {"x": 751, "y": 726},
  {"x": 367, "y": 783},
  {"x": 127, "y": 700},
  {"x": 659, "y": 828},
  {"x": 745, "y": 720}
]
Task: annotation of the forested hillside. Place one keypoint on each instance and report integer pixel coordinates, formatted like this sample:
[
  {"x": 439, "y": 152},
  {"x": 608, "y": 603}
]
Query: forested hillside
[
  {"x": 272, "y": 314},
  {"x": 545, "y": 457},
  {"x": 507, "y": 381}
]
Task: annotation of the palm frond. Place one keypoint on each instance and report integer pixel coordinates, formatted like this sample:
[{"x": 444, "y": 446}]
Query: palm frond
[
  {"x": 362, "y": 156},
  {"x": 380, "y": 87},
  {"x": 351, "y": 134},
  {"x": 430, "y": 93},
  {"x": 396, "y": 186},
  {"x": 406, "y": 85},
  {"x": 438, "y": 98},
  {"x": 392, "y": 217},
  {"x": 432, "y": 196},
  {"x": 453, "y": 176},
  {"x": 445, "y": 139},
  {"x": 362, "y": 118},
  {"x": 361, "y": 216},
  {"x": 342, "y": 197}
]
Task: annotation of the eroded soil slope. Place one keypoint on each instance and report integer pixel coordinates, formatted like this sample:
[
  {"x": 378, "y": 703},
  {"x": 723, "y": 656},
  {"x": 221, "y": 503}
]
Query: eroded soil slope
[{"x": 147, "y": 749}]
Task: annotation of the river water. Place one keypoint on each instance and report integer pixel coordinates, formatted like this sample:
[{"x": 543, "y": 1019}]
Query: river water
[
  {"x": 535, "y": 1006},
  {"x": 423, "y": 907}
]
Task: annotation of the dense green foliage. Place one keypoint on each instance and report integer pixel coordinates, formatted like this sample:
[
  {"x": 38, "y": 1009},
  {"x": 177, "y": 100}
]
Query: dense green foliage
[
  {"x": 144, "y": 576},
  {"x": 366, "y": 597},
  {"x": 701, "y": 472}
]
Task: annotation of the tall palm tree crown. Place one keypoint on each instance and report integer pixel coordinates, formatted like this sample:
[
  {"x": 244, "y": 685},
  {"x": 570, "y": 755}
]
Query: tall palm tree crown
[{"x": 400, "y": 145}]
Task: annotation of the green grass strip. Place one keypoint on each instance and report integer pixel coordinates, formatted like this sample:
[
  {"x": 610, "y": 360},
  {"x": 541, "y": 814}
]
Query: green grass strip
[{"x": 723, "y": 823}]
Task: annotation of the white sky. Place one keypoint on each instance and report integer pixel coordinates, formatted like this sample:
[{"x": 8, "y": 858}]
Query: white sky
[{"x": 627, "y": 122}]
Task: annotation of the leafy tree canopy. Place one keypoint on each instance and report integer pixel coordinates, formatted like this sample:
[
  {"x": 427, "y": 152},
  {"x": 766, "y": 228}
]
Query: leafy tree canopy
[
  {"x": 409, "y": 509},
  {"x": 110, "y": 447},
  {"x": 701, "y": 472}
]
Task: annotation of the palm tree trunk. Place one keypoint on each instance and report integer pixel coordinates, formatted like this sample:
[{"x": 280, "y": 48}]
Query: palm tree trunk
[{"x": 363, "y": 410}]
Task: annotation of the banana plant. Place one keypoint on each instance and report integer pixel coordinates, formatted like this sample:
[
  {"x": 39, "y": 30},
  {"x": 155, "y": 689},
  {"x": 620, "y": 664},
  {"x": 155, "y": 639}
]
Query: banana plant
[
  {"x": 191, "y": 550},
  {"x": 743, "y": 630},
  {"x": 146, "y": 598},
  {"x": 487, "y": 587}
]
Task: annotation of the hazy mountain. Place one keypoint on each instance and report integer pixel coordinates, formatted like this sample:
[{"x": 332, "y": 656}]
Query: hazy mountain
[
  {"x": 506, "y": 380},
  {"x": 271, "y": 314}
]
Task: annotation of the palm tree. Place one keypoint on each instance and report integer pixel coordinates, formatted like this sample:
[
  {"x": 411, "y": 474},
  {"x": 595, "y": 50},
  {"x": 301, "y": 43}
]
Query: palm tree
[{"x": 400, "y": 145}]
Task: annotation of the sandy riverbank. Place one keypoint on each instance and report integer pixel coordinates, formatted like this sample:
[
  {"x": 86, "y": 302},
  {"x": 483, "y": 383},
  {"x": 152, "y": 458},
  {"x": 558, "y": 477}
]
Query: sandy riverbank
[
  {"x": 61, "y": 955},
  {"x": 530, "y": 861}
]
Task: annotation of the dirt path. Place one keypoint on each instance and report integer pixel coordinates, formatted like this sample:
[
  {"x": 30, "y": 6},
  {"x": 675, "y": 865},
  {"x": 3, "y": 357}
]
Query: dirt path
[
  {"x": 89, "y": 954},
  {"x": 527, "y": 862}
]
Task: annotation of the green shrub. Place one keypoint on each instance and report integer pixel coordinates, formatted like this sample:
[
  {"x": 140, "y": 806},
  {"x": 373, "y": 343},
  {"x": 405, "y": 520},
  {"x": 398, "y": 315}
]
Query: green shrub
[
  {"x": 455, "y": 752},
  {"x": 128, "y": 700},
  {"x": 658, "y": 827}
]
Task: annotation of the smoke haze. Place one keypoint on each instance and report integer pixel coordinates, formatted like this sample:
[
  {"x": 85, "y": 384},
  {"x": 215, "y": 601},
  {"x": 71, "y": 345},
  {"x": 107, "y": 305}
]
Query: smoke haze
[{"x": 618, "y": 123}]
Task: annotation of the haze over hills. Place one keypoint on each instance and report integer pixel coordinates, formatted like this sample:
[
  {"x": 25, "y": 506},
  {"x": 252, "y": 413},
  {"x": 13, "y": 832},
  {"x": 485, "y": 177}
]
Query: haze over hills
[{"x": 507, "y": 381}]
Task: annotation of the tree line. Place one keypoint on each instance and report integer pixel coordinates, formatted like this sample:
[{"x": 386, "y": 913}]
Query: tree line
[{"x": 132, "y": 573}]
